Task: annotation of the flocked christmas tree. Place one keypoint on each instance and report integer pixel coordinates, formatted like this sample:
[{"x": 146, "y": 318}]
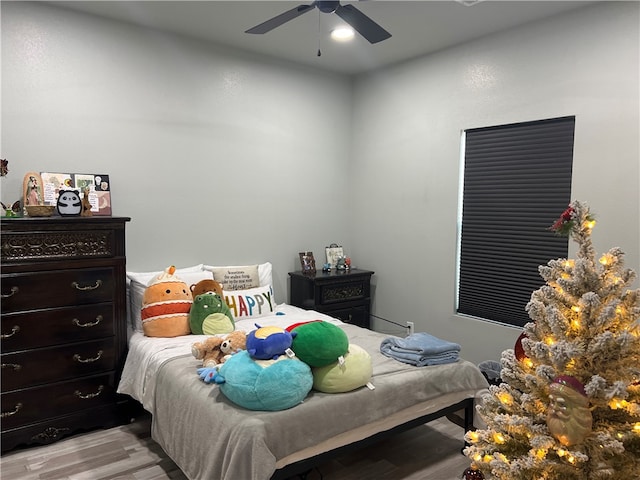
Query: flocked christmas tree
[{"x": 568, "y": 406}]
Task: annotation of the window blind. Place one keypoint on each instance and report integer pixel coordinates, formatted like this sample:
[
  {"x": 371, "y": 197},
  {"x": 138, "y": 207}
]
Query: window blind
[{"x": 517, "y": 182}]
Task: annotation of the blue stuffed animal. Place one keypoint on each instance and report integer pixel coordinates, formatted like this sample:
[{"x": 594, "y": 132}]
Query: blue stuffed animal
[
  {"x": 210, "y": 374},
  {"x": 268, "y": 343}
]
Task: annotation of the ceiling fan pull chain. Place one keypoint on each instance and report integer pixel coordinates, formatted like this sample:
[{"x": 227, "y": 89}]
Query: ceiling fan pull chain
[{"x": 319, "y": 52}]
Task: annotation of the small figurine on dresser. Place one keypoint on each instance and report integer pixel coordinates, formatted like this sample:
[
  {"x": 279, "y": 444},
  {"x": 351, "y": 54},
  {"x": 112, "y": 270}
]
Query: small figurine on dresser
[{"x": 86, "y": 205}]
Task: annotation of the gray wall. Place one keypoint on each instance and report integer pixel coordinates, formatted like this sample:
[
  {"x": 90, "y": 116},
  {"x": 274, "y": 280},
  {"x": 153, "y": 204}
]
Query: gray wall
[
  {"x": 218, "y": 159},
  {"x": 407, "y": 151}
]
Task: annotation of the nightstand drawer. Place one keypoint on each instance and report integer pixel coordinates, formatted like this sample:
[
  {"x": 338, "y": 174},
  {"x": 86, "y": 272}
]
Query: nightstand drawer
[
  {"x": 34, "y": 404},
  {"x": 34, "y": 367},
  {"x": 30, "y": 291},
  {"x": 42, "y": 328},
  {"x": 344, "y": 291},
  {"x": 357, "y": 315}
]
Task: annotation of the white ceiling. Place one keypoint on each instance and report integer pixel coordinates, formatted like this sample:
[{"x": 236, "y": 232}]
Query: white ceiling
[{"x": 417, "y": 27}]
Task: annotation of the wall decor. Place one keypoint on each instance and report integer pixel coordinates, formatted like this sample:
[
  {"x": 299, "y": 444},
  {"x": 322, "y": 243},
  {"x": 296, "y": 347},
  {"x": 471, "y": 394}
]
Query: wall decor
[
  {"x": 97, "y": 185},
  {"x": 334, "y": 252}
]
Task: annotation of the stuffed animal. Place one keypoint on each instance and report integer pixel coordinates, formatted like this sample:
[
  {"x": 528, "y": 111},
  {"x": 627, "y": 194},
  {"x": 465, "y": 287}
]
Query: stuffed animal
[
  {"x": 206, "y": 286},
  {"x": 208, "y": 351},
  {"x": 354, "y": 372},
  {"x": 214, "y": 351},
  {"x": 267, "y": 385},
  {"x": 69, "y": 203},
  {"x": 165, "y": 306},
  {"x": 269, "y": 342},
  {"x": 232, "y": 343},
  {"x": 210, "y": 315},
  {"x": 319, "y": 343}
]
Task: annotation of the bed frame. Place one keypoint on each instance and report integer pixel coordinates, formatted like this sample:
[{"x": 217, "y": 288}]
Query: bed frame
[{"x": 452, "y": 412}]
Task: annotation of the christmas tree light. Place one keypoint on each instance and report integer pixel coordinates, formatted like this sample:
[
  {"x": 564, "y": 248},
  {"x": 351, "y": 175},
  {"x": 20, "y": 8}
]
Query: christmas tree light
[{"x": 568, "y": 406}]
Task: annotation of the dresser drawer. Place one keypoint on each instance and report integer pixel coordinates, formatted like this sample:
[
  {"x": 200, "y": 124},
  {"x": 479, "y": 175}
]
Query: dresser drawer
[
  {"x": 43, "y": 328},
  {"x": 30, "y": 291},
  {"x": 34, "y": 367},
  {"x": 35, "y": 404}
]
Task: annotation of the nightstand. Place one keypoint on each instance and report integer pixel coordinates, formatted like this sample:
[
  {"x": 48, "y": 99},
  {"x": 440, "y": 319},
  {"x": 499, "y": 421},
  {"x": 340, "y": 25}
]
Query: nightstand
[
  {"x": 63, "y": 326},
  {"x": 345, "y": 294}
]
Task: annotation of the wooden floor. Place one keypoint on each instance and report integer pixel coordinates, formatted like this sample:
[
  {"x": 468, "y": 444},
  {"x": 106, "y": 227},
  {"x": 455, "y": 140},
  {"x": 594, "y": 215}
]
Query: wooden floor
[{"x": 428, "y": 452}]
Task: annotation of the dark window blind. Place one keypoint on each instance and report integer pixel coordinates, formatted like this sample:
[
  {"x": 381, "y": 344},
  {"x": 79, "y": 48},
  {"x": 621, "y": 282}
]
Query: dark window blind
[{"x": 517, "y": 182}]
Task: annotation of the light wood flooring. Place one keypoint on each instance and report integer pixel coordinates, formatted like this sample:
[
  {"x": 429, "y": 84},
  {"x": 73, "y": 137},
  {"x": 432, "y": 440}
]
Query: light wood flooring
[{"x": 427, "y": 452}]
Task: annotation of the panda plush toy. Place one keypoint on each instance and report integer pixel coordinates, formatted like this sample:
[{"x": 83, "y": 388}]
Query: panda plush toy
[{"x": 69, "y": 203}]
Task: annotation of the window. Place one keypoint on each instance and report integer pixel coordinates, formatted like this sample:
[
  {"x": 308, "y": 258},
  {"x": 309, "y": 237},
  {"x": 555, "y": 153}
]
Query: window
[{"x": 517, "y": 182}]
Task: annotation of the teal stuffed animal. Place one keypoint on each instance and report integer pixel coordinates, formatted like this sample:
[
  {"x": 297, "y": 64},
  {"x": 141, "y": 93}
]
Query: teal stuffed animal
[
  {"x": 210, "y": 315},
  {"x": 267, "y": 385}
]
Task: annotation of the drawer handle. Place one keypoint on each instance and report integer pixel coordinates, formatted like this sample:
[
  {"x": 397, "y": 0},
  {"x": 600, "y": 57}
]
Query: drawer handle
[
  {"x": 88, "y": 324},
  {"x": 77, "y": 286},
  {"x": 78, "y": 358},
  {"x": 15, "y": 366},
  {"x": 85, "y": 396},
  {"x": 14, "y": 330},
  {"x": 15, "y": 410},
  {"x": 14, "y": 290}
]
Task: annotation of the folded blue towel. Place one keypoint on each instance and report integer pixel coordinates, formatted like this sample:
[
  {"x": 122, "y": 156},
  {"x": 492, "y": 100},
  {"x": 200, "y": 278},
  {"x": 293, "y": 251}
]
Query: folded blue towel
[{"x": 420, "y": 349}]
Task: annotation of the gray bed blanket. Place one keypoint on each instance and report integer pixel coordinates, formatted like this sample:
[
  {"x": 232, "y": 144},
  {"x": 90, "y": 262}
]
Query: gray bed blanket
[{"x": 210, "y": 438}]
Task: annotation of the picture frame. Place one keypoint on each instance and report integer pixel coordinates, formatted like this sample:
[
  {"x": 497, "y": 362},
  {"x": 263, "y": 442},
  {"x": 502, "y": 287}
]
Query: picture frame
[
  {"x": 32, "y": 193},
  {"x": 334, "y": 252},
  {"x": 307, "y": 262}
]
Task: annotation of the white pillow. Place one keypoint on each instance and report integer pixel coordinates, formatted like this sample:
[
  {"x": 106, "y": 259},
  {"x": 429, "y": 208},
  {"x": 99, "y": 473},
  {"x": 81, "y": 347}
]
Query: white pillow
[
  {"x": 251, "y": 303},
  {"x": 264, "y": 272},
  {"x": 138, "y": 281}
]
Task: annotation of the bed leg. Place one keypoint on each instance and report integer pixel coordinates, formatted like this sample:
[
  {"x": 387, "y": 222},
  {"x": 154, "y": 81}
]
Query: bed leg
[
  {"x": 468, "y": 416},
  {"x": 468, "y": 420}
]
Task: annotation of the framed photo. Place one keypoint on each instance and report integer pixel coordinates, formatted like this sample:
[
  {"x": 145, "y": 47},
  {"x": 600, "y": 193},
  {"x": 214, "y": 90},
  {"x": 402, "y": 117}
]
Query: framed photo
[
  {"x": 334, "y": 251},
  {"x": 307, "y": 262}
]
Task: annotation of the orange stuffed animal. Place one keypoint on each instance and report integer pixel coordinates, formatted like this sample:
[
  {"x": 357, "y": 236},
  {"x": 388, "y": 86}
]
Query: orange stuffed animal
[{"x": 165, "y": 306}]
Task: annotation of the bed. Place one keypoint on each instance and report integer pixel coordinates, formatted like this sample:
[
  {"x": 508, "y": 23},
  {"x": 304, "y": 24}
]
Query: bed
[{"x": 208, "y": 436}]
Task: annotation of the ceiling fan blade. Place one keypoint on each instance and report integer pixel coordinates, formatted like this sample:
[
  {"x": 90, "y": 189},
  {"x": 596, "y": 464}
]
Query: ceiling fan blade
[
  {"x": 362, "y": 24},
  {"x": 281, "y": 19}
]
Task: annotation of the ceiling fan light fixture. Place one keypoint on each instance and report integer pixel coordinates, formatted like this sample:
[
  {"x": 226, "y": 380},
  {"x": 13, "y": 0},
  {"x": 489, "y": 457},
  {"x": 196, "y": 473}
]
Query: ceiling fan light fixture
[{"x": 342, "y": 34}]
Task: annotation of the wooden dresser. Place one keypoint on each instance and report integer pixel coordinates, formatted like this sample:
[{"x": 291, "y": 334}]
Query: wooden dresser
[
  {"x": 344, "y": 294},
  {"x": 63, "y": 336}
]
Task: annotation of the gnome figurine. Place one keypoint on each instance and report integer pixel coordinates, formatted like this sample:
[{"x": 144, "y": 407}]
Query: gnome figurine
[{"x": 568, "y": 418}]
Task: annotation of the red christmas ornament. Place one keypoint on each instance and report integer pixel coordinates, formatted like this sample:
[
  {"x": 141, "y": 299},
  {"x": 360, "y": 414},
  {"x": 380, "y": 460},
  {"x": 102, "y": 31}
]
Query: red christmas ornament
[
  {"x": 519, "y": 349},
  {"x": 472, "y": 473}
]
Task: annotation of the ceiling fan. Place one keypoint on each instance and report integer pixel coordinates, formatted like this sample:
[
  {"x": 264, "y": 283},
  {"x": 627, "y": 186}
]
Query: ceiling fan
[{"x": 366, "y": 27}]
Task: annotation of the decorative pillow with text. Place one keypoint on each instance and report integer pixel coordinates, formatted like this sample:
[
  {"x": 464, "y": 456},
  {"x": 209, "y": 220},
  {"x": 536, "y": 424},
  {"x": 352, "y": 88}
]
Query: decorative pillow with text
[
  {"x": 253, "y": 302},
  {"x": 236, "y": 278}
]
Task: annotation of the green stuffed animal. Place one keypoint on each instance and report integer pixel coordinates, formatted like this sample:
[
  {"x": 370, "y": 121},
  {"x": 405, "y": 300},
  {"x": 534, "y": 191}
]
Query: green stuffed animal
[{"x": 210, "y": 315}]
